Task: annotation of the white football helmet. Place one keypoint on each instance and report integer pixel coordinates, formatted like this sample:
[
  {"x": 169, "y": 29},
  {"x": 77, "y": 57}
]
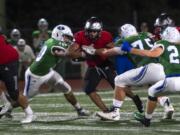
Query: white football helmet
[
  {"x": 171, "y": 34},
  {"x": 61, "y": 30},
  {"x": 128, "y": 30}
]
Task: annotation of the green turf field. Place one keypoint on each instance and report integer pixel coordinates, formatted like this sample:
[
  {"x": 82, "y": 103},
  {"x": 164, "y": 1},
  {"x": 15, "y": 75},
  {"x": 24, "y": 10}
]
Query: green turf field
[{"x": 56, "y": 117}]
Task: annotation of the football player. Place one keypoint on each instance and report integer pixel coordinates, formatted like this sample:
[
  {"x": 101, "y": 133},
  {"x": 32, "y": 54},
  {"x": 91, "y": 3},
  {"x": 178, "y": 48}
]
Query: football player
[
  {"x": 148, "y": 74},
  {"x": 99, "y": 67},
  {"x": 167, "y": 50},
  {"x": 8, "y": 74},
  {"x": 161, "y": 22},
  {"x": 41, "y": 70}
]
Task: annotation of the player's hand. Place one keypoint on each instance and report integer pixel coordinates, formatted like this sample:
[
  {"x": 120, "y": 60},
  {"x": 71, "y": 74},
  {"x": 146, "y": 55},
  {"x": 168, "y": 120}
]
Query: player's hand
[
  {"x": 89, "y": 49},
  {"x": 126, "y": 46}
]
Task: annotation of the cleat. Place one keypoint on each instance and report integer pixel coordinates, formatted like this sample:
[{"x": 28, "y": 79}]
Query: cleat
[
  {"x": 168, "y": 112},
  {"x": 7, "y": 114},
  {"x": 112, "y": 115},
  {"x": 82, "y": 112},
  {"x": 141, "y": 118},
  {"x": 29, "y": 118},
  {"x": 5, "y": 108}
]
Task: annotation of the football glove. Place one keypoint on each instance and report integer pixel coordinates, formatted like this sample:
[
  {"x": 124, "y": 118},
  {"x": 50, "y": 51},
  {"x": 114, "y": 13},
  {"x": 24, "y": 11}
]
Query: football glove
[
  {"x": 126, "y": 46},
  {"x": 89, "y": 49}
]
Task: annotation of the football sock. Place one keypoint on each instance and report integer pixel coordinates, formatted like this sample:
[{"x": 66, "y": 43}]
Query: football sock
[
  {"x": 77, "y": 106},
  {"x": 117, "y": 103},
  {"x": 148, "y": 116},
  {"x": 28, "y": 110}
]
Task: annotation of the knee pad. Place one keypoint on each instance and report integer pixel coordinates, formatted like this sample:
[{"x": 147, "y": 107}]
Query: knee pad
[
  {"x": 152, "y": 98},
  {"x": 119, "y": 81}
]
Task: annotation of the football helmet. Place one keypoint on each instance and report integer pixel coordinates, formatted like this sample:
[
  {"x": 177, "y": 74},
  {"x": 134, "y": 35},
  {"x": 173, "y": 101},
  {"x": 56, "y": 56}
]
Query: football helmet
[
  {"x": 128, "y": 30},
  {"x": 93, "y": 27},
  {"x": 15, "y": 34},
  {"x": 62, "y": 33},
  {"x": 163, "y": 21},
  {"x": 42, "y": 24},
  {"x": 171, "y": 34}
]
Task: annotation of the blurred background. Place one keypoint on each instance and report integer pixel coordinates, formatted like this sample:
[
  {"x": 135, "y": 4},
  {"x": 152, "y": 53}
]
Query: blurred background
[{"x": 24, "y": 14}]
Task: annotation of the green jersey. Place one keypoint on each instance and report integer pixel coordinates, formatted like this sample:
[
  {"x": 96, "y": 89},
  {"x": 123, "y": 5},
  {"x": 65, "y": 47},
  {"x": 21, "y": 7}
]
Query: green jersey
[
  {"x": 12, "y": 42},
  {"x": 141, "y": 41},
  {"x": 37, "y": 33},
  {"x": 45, "y": 59},
  {"x": 170, "y": 58}
]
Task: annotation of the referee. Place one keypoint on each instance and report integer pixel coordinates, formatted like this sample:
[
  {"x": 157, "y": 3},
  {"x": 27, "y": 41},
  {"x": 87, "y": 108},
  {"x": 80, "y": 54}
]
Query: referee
[{"x": 8, "y": 74}]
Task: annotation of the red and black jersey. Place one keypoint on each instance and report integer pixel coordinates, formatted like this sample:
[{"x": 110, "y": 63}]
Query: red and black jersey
[
  {"x": 7, "y": 52},
  {"x": 101, "y": 42}
]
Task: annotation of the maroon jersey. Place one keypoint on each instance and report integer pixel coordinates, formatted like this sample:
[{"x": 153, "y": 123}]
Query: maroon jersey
[
  {"x": 157, "y": 32},
  {"x": 7, "y": 52},
  {"x": 178, "y": 28},
  {"x": 101, "y": 42}
]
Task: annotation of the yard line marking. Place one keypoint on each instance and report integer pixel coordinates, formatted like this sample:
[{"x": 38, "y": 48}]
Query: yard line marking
[
  {"x": 82, "y": 93},
  {"x": 78, "y": 128}
]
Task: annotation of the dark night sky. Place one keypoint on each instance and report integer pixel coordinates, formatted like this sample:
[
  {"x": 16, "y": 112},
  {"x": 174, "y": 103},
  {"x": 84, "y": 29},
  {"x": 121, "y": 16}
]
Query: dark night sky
[{"x": 25, "y": 14}]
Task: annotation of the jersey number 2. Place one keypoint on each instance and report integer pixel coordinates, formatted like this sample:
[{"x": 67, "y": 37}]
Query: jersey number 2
[{"x": 174, "y": 55}]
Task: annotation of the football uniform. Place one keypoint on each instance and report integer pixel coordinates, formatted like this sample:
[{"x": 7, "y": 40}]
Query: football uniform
[
  {"x": 99, "y": 67},
  {"x": 41, "y": 71},
  {"x": 122, "y": 62},
  {"x": 9, "y": 67},
  {"x": 170, "y": 59},
  {"x": 148, "y": 71}
]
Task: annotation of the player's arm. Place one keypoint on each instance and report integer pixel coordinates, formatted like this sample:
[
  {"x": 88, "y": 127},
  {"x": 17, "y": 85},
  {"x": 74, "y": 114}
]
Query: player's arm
[
  {"x": 156, "y": 51},
  {"x": 74, "y": 51},
  {"x": 148, "y": 53},
  {"x": 110, "y": 52},
  {"x": 58, "y": 51}
]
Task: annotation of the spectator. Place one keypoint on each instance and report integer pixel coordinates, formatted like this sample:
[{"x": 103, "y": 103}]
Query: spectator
[
  {"x": 15, "y": 35},
  {"x": 26, "y": 56},
  {"x": 41, "y": 35},
  {"x": 145, "y": 28}
]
